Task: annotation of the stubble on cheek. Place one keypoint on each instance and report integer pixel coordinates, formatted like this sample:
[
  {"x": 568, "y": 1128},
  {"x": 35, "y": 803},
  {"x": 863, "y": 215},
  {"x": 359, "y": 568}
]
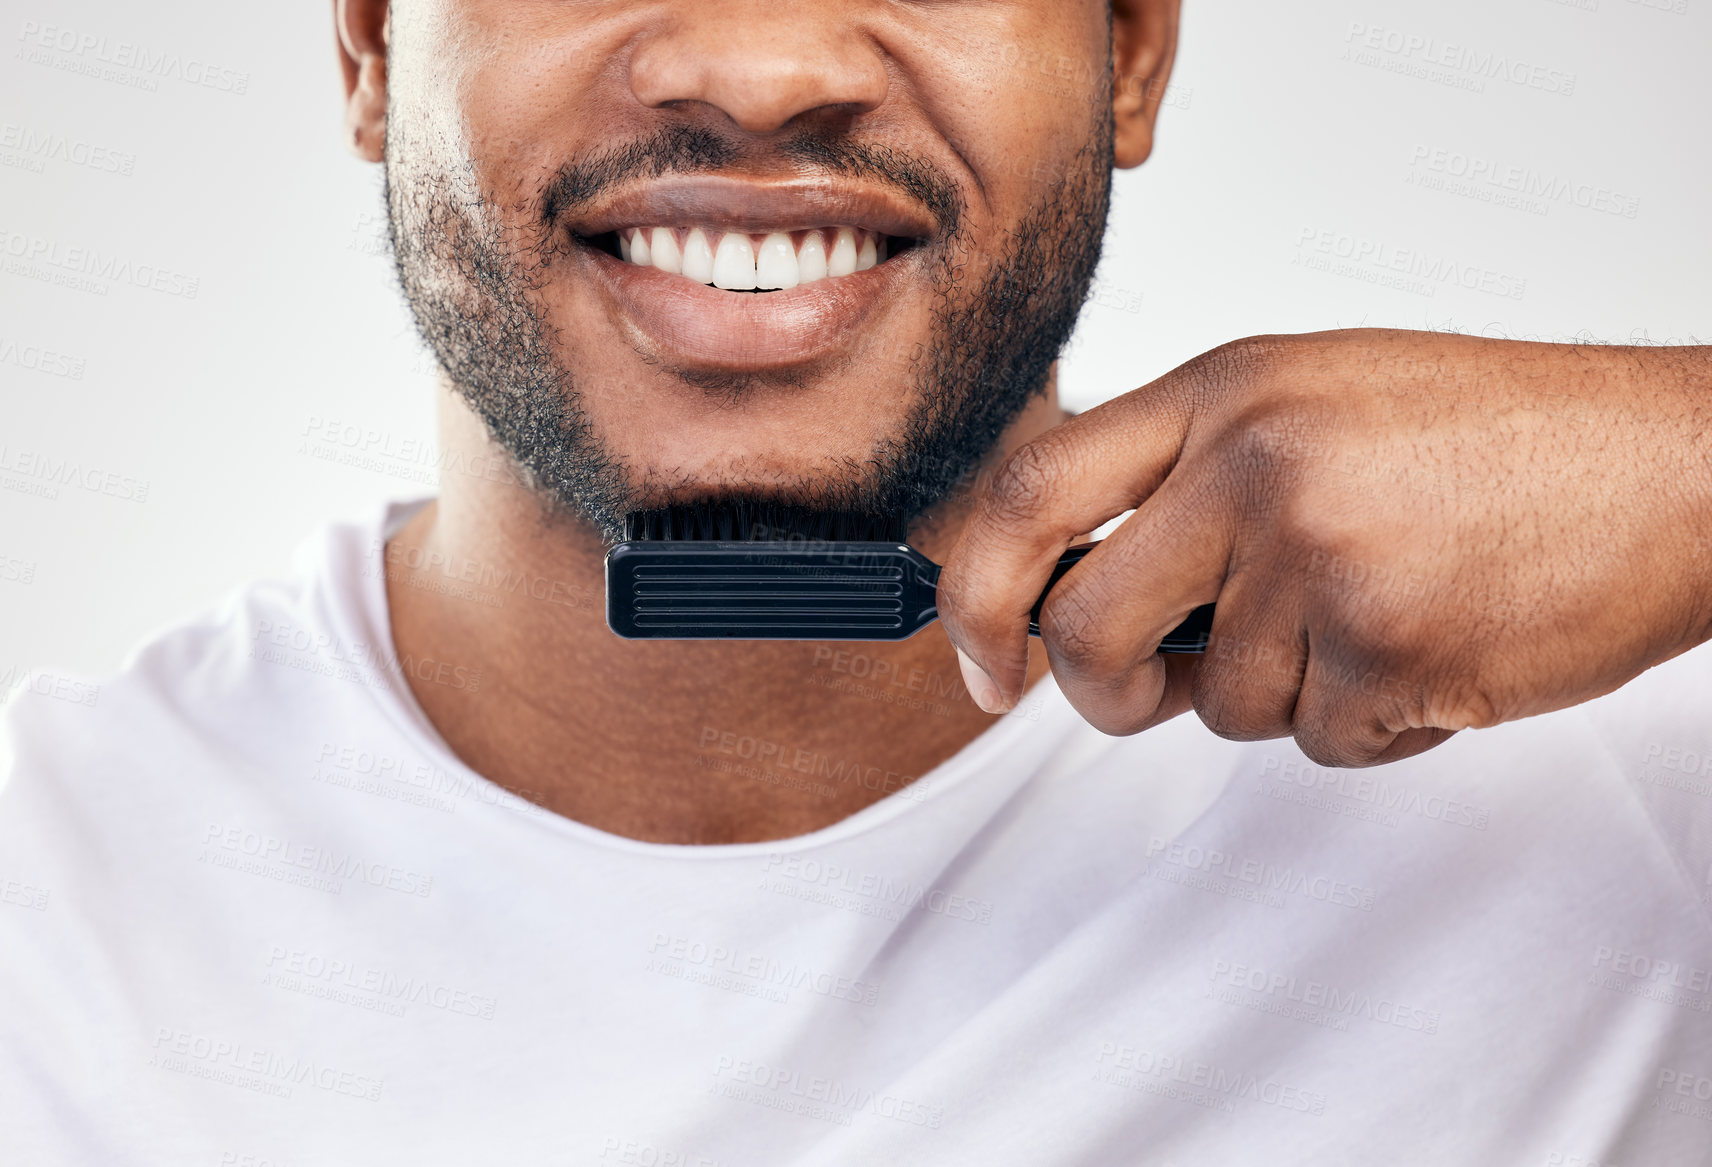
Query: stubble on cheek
[{"x": 894, "y": 424}]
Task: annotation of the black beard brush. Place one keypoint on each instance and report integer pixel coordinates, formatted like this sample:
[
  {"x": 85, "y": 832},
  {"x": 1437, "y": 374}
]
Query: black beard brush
[{"x": 760, "y": 571}]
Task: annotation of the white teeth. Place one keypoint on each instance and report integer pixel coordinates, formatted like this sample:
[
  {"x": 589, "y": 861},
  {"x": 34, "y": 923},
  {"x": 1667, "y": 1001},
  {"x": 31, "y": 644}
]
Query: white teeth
[
  {"x": 842, "y": 261},
  {"x": 734, "y": 263},
  {"x": 738, "y": 263},
  {"x": 776, "y": 262},
  {"x": 811, "y": 259},
  {"x": 698, "y": 257},
  {"x": 663, "y": 246}
]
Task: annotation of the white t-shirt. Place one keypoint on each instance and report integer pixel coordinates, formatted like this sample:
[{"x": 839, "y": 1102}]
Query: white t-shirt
[{"x": 253, "y": 911}]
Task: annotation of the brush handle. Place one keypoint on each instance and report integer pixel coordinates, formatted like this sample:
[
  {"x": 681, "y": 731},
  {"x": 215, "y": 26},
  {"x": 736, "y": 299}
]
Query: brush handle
[{"x": 1189, "y": 636}]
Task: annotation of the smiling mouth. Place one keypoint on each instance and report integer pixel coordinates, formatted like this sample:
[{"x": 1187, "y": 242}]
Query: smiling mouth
[{"x": 737, "y": 261}]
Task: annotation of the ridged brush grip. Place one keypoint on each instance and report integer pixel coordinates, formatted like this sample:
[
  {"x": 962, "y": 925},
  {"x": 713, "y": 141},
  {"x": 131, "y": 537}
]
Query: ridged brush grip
[
  {"x": 693, "y": 590},
  {"x": 672, "y": 589}
]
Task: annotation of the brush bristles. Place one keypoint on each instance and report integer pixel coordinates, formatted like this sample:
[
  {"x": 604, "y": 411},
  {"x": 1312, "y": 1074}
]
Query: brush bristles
[{"x": 761, "y": 522}]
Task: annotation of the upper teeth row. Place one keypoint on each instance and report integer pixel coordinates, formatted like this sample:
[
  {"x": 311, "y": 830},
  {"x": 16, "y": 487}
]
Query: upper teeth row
[{"x": 737, "y": 261}]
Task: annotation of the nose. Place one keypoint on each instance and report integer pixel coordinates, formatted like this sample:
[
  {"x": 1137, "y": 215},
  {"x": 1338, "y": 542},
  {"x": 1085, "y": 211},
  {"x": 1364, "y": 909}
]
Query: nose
[{"x": 761, "y": 62}]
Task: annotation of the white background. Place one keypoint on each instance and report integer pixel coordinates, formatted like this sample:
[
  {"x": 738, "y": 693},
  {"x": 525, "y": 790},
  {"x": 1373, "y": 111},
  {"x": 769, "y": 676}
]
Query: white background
[{"x": 1282, "y": 126}]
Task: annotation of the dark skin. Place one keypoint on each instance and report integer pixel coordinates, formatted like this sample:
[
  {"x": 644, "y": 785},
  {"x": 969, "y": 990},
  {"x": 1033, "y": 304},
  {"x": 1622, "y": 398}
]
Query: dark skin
[
  {"x": 1407, "y": 534},
  {"x": 629, "y": 736}
]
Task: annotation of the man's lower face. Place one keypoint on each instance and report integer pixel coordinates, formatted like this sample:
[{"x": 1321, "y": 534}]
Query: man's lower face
[{"x": 821, "y": 317}]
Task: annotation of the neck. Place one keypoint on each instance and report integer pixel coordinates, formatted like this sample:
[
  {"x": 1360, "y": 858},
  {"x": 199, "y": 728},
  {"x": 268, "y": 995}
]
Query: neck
[{"x": 666, "y": 741}]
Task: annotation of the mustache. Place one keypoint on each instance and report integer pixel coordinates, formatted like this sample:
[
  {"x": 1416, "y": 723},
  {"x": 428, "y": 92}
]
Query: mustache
[{"x": 700, "y": 150}]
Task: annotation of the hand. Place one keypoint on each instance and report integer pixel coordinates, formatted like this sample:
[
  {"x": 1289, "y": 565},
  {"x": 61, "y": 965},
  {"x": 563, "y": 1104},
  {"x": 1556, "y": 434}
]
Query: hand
[{"x": 1407, "y": 534}]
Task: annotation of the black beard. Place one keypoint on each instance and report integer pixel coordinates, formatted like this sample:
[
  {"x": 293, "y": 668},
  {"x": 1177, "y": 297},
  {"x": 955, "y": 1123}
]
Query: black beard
[{"x": 469, "y": 282}]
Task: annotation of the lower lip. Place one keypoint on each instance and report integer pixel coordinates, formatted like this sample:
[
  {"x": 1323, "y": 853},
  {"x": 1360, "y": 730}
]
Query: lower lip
[{"x": 692, "y": 324}]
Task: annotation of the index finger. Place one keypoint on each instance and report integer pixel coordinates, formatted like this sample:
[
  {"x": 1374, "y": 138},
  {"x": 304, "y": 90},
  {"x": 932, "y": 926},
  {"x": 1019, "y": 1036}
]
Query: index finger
[{"x": 1049, "y": 491}]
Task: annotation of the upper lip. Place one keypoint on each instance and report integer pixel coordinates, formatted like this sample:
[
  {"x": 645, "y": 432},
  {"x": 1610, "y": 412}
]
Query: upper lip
[{"x": 749, "y": 206}]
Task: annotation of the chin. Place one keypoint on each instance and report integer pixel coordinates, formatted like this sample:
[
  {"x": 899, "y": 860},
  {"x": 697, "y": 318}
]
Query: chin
[{"x": 828, "y": 429}]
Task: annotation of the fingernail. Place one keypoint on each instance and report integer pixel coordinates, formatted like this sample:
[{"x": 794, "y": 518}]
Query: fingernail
[{"x": 979, "y": 684}]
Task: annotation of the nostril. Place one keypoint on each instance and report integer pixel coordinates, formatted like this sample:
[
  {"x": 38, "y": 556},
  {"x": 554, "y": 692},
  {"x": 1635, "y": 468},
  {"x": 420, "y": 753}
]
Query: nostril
[{"x": 761, "y": 67}]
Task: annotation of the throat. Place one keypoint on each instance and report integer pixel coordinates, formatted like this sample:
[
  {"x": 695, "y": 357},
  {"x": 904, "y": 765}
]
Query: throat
[{"x": 690, "y": 742}]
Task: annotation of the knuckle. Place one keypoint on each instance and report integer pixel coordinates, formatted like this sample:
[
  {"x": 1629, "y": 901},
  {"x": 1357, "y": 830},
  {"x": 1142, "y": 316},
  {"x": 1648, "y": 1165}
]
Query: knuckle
[
  {"x": 1366, "y": 641},
  {"x": 1322, "y": 549},
  {"x": 1216, "y": 714},
  {"x": 1237, "y": 363},
  {"x": 1267, "y": 441},
  {"x": 1466, "y": 706},
  {"x": 1070, "y": 627},
  {"x": 1244, "y": 690},
  {"x": 1322, "y": 750},
  {"x": 1224, "y": 711},
  {"x": 1265, "y": 667},
  {"x": 1122, "y": 705},
  {"x": 1025, "y": 482},
  {"x": 1117, "y": 721},
  {"x": 1324, "y": 746}
]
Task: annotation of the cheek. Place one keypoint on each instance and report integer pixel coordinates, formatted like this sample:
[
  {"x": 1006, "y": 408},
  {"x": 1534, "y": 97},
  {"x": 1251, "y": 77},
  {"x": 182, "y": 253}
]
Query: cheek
[
  {"x": 523, "y": 87},
  {"x": 1013, "y": 88},
  {"x": 429, "y": 64}
]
